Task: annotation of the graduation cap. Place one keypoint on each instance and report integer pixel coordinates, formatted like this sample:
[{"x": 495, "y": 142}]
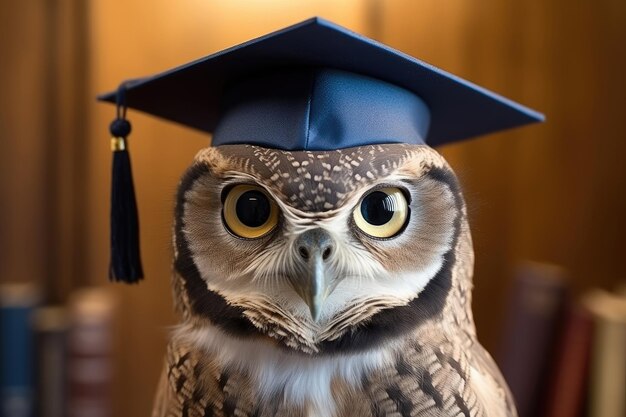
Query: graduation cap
[{"x": 311, "y": 86}]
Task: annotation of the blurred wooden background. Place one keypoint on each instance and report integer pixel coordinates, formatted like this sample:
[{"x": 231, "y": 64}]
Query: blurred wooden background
[{"x": 554, "y": 192}]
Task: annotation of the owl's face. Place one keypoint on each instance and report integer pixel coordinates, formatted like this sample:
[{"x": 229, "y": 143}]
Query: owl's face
[{"x": 319, "y": 251}]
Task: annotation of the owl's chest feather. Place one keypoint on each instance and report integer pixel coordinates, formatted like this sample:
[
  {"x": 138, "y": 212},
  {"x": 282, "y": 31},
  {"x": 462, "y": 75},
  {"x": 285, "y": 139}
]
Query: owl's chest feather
[
  {"x": 212, "y": 373},
  {"x": 308, "y": 383}
]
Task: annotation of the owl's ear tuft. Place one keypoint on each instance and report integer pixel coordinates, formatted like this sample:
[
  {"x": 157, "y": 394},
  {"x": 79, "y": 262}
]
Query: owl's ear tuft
[{"x": 125, "y": 264}]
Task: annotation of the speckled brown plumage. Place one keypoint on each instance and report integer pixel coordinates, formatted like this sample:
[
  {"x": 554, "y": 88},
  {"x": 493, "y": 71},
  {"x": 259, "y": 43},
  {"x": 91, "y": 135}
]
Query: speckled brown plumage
[{"x": 377, "y": 354}]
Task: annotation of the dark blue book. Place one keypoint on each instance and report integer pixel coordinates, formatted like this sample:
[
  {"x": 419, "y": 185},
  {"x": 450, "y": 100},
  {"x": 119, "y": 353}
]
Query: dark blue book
[{"x": 17, "y": 365}]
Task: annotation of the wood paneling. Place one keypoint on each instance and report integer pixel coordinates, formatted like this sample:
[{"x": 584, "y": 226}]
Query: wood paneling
[
  {"x": 22, "y": 125},
  {"x": 42, "y": 122}
]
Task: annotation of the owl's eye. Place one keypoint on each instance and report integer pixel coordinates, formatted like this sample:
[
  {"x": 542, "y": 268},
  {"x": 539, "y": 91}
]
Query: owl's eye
[
  {"x": 249, "y": 212},
  {"x": 382, "y": 213}
]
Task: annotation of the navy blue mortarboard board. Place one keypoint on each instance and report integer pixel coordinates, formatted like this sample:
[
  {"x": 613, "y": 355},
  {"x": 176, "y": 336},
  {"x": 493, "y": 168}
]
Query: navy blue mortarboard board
[{"x": 311, "y": 86}]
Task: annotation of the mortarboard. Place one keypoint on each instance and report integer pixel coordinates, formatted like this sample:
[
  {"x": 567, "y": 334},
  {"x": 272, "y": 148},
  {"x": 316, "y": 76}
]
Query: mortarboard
[{"x": 311, "y": 86}]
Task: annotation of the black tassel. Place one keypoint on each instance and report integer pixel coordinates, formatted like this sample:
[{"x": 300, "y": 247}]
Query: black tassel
[{"x": 125, "y": 262}]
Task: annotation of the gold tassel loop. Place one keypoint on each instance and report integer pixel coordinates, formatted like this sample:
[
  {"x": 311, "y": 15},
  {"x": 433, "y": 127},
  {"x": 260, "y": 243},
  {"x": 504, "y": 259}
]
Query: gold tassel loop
[{"x": 118, "y": 144}]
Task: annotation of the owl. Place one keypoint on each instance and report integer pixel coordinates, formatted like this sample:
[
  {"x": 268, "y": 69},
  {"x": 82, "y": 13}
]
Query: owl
[{"x": 325, "y": 284}]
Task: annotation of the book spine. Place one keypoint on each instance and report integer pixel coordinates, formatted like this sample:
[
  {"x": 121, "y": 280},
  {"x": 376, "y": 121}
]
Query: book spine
[
  {"x": 532, "y": 323},
  {"x": 51, "y": 339},
  {"x": 607, "y": 387},
  {"x": 89, "y": 354},
  {"x": 17, "y": 370},
  {"x": 571, "y": 367}
]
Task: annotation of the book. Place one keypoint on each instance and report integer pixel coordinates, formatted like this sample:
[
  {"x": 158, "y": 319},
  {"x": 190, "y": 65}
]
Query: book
[
  {"x": 51, "y": 329},
  {"x": 89, "y": 353},
  {"x": 607, "y": 387},
  {"x": 568, "y": 382},
  {"x": 17, "y": 369},
  {"x": 532, "y": 323}
]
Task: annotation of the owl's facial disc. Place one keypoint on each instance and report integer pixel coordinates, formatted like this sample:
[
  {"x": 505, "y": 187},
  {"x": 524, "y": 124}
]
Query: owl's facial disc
[
  {"x": 315, "y": 281},
  {"x": 305, "y": 247}
]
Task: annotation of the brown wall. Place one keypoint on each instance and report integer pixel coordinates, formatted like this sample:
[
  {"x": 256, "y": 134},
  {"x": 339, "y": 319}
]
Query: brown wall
[{"x": 553, "y": 192}]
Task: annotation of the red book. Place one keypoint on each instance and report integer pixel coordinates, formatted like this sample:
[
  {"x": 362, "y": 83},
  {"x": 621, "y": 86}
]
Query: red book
[
  {"x": 568, "y": 383},
  {"x": 532, "y": 323},
  {"x": 89, "y": 354}
]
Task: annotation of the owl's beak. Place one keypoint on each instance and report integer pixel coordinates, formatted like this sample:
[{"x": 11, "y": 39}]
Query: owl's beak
[
  {"x": 315, "y": 248},
  {"x": 318, "y": 290}
]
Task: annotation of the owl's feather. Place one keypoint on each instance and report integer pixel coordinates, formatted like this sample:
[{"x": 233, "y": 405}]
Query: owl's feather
[{"x": 397, "y": 335}]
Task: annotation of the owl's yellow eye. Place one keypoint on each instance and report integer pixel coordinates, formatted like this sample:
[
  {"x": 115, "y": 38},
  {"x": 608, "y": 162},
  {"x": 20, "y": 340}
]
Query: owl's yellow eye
[
  {"x": 249, "y": 212},
  {"x": 382, "y": 213}
]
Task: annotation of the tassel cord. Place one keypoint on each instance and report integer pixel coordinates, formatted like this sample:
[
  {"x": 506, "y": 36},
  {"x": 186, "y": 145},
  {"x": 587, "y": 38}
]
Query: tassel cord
[{"x": 125, "y": 262}]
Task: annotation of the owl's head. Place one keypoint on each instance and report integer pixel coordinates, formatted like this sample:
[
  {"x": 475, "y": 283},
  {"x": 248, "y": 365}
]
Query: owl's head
[{"x": 318, "y": 250}]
